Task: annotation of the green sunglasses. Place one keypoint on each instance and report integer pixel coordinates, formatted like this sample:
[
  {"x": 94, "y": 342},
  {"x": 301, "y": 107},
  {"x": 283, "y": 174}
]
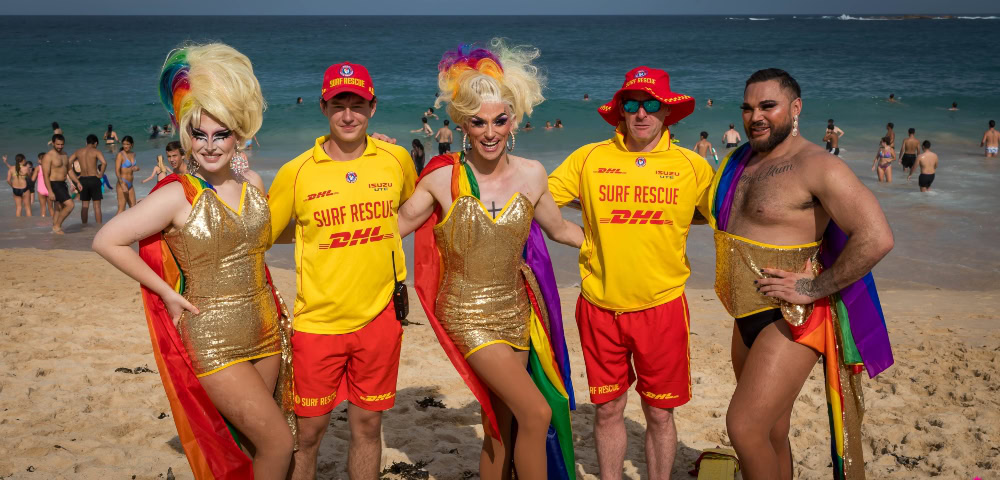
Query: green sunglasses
[{"x": 650, "y": 106}]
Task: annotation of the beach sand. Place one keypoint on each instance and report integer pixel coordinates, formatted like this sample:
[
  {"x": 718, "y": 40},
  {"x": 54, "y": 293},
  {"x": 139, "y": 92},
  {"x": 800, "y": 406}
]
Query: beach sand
[{"x": 68, "y": 414}]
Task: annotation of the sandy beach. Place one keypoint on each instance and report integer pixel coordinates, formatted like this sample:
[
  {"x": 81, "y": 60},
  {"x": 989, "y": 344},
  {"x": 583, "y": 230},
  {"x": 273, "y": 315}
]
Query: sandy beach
[{"x": 67, "y": 412}]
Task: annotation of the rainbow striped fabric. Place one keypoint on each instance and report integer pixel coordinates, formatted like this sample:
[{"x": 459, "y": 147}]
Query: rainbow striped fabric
[{"x": 548, "y": 357}]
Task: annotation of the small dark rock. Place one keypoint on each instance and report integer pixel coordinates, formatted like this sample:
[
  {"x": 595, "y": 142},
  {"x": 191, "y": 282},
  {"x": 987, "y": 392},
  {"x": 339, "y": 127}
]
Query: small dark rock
[
  {"x": 123, "y": 370},
  {"x": 31, "y": 468},
  {"x": 430, "y": 402},
  {"x": 162, "y": 416},
  {"x": 408, "y": 471},
  {"x": 170, "y": 473},
  {"x": 142, "y": 369}
]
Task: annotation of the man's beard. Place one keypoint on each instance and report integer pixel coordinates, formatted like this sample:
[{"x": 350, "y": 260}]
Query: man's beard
[{"x": 778, "y": 134}]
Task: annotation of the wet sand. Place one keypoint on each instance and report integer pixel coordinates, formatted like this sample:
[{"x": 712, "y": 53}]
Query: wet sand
[{"x": 68, "y": 414}]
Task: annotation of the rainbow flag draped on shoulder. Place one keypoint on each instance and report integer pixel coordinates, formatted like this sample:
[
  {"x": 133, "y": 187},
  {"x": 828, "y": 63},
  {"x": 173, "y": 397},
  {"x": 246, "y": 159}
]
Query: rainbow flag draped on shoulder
[
  {"x": 548, "y": 361},
  {"x": 209, "y": 442},
  {"x": 847, "y": 328}
]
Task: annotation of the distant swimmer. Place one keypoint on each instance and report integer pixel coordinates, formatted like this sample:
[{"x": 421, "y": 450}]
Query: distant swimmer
[
  {"x": 928, "y": 162},
  {"x": 891, "y": 134},
  {"x": 731, "y": 137},
  {"x": 110, "y": 138},
  {"x": 836, "y": 129},
  {"x": 892, "y": 98},
  {"x": 708, "y": 103},
  {"x": 832, "y": 140},
  {"x": 704, "y": 147},
  {"x": 298, "y": 100},
  {"x": 558, "y": 124},
  {"x": 92, "y": 167},
  {"x": 430, "y": 113},
  {"x": 155, "y": 132},
  {"x": 991, "y": 139},
  {"x": 528, "y": 127},
  {"x": 586, "y": 97},
  {"x": 55, "y": 131},
  {"x": 883, "y": 160},
  {"x": 909, "y": 151},
  {"x": 548, "y": 125},
  {"x": 954, "y": 106},
  {"x": 424, "y": 128},
  {"x": 443, "y": 137},
  {"x": 55, "y": 167}
]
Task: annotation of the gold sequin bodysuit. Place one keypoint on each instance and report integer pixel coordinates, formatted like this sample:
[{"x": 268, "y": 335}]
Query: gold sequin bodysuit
[
  {"x": 738, "y": 262},
  {"x": 221, "y": 253},
  {"x": 482, "y": 298}
]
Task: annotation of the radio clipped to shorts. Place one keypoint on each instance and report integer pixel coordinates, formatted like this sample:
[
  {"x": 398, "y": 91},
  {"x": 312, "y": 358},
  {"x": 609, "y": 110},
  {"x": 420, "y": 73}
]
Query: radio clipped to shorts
[{"x": 400, "y": 297}]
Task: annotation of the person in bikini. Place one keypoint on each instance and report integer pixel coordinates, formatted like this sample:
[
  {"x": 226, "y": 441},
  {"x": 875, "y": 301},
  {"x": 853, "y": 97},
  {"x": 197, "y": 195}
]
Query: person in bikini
[
  {"x": 18, "y": 177},
  {"x": 883, "y": 160},
  {"x": 125, "y": 168},
  {"x": 92, "y": 167},
  {"x": 909, "y": 151},
  {"x": 110, "y": 138}
]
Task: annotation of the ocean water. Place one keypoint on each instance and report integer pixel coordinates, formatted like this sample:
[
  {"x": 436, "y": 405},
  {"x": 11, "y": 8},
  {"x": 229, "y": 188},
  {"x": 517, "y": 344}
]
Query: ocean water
[{"x": 87, "y": 74}]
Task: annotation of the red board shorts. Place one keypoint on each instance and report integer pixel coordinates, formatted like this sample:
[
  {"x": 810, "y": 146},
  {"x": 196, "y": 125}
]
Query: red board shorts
[
  {"x": 657, "y": 339},
  {"x": 360, "y": 366}
]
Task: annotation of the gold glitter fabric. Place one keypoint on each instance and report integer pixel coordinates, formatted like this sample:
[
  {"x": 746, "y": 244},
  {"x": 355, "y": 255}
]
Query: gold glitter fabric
[
  {"x": 738, "y": 262},
  {"x": 221, "y": 253},
  {"x": 482, "y": 298}
]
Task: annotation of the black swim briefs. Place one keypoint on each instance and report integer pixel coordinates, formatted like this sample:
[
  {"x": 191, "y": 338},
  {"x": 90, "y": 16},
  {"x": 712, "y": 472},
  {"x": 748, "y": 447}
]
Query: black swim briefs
[
  {"x": 925, "y": 180},
  {"x": 730, "y": 145},
  {"x": 751, "y": 325},
  {"x": 907, "y": 160},
  {"x": 91, "y": 189},
  {"x": 444, "y": 148}
]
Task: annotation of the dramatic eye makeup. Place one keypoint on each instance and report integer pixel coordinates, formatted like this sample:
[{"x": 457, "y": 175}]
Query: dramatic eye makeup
[
  {"x": 477, "y": 122},
  {"x": 501, "y": 120},
  {"x": 220, "y": 135}
]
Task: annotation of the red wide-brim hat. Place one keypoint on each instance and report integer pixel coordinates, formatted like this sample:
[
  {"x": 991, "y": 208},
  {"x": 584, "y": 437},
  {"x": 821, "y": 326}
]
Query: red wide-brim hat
[{"x": 655, "y": 82}]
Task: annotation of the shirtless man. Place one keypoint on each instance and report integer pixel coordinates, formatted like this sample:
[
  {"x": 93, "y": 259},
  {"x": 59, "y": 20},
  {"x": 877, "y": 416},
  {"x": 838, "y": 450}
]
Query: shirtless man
[
  {"x": 911, "y": 147},
  {"x": 836, "y": 129},
  {"x": 444, "y": 137},
  {"x": 889, "y": 132},
  {"x": 789, "y": 191},
  {"x": 731, "y": 137},
  {"x": 991, "y": 139},
  {"x": 92, "y": 167},
  {"x": 892, "y": 98},
  {"x": 832, "y": 140},
  {"x": 175, "y": 156},
  {"x": 55, "y": 167},
  {"x": 424, "y": 128},
  {"x": 928, "y": 162},
  {"x": 704, "y": 147}
]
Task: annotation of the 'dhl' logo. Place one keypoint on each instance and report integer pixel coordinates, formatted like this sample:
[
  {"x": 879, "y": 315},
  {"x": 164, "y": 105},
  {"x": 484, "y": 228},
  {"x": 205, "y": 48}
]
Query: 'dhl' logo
[
  {"x": 325, "y": 193},
  {"x": 380, "y": 187},
  {"x": 641, "y": 217},
  {"x": 609, "y": 170},
  {"x": 358, "y": 237}
]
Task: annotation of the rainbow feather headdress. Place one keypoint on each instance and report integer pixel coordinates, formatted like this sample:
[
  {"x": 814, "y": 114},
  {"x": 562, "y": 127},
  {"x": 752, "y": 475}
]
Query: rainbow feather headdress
[
  {"x": 175, "y": 84},
  {"x": 465, "y": 58}
]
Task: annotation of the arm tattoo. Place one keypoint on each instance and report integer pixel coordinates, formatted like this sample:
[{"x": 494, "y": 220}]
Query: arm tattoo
[{"x": 819, "y": 287}]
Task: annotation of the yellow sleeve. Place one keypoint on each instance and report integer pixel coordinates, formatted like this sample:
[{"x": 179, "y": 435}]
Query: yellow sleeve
[
  {"x": 705, "y": 174},
  {"x": 281, "y": 200},
  {"x": 564, "y": 181},
  {"x": 409, "y": 177}
]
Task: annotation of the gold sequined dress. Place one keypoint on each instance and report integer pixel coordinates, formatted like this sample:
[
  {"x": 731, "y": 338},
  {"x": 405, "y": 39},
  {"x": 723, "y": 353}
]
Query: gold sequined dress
[
  {"x": 482, "y": 298},
  {"x": 221, "y": 253}
]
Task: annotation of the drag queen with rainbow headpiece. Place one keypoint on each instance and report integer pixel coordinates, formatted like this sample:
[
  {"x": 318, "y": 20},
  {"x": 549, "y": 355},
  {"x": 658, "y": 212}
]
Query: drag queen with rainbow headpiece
[
  {"x": 483, "y": 273},
  {"x": 219, "y": 329}
]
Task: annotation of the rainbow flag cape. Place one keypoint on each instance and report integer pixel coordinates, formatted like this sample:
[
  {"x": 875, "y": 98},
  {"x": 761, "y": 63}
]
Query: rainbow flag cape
[
  {"x": 548, "y": 361},
  {"x": 847, "y": 328},
  {"x": 210, "y": 443}
]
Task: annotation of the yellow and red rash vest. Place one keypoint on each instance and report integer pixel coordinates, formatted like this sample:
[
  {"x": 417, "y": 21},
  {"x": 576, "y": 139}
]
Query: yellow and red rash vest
[
  {"x": 637, "y": 209},
  {"x": 344, "y": 214}
]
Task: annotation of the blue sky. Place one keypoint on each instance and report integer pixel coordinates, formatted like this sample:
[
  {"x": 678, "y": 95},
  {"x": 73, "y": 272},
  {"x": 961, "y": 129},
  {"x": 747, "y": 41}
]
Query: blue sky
[{"x": 479, "y": 7}]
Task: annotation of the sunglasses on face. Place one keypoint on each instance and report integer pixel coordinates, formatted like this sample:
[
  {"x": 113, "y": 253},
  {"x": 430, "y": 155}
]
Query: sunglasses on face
[{"x": 650, "y": 106}]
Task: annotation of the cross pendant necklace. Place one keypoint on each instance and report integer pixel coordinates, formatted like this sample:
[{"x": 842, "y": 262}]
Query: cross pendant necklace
[{"x": 494, "y": 210}]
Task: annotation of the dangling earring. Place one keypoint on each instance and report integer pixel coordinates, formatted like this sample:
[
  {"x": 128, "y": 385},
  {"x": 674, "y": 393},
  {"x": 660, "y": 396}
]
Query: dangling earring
[
  {"x": 239, "y": 163},
  {"x": 795, "y": 126},
  {"x": 465, "y": 142},
  {"x": 192, "y": 165},
  {"x": 510, "y": 147}
]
